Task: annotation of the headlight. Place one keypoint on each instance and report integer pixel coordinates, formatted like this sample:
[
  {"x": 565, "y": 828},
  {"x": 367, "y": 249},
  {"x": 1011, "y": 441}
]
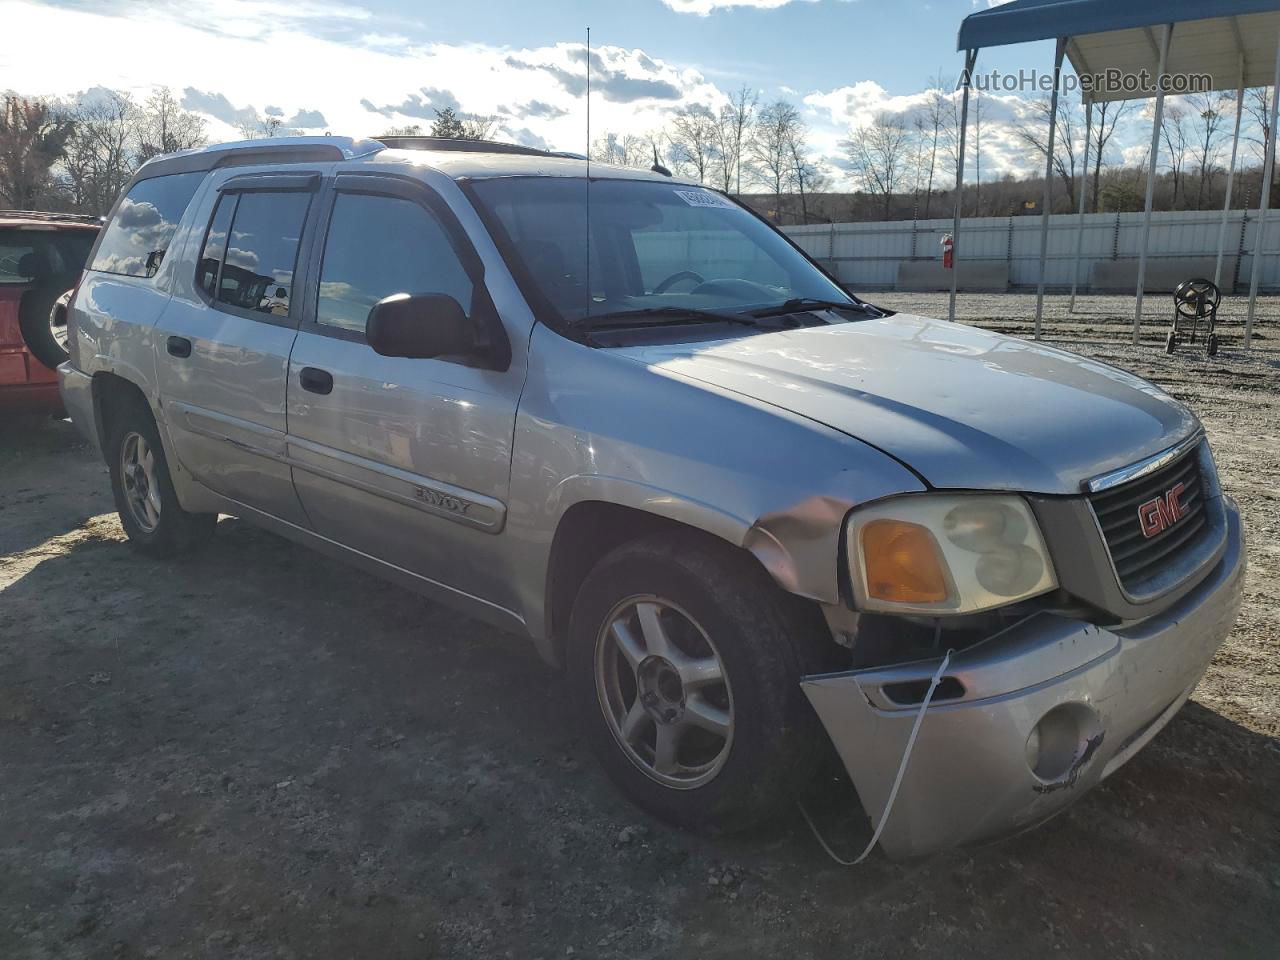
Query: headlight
[{"x": 946, "y": 554}]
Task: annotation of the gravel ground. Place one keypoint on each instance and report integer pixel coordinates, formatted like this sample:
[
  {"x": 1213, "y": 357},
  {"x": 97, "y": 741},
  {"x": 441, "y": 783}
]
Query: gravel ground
[{"x": 260, "y": 752}]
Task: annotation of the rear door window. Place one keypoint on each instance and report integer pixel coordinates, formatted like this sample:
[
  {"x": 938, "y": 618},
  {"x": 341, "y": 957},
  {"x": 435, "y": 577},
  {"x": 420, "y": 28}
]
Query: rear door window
[
  {"x": 251, "y": 250},
  {"x": 138, "y": 236}
]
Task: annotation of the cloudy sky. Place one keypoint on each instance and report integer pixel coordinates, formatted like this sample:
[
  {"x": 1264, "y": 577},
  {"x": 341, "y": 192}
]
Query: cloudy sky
[{"x": 360, "y": 67}]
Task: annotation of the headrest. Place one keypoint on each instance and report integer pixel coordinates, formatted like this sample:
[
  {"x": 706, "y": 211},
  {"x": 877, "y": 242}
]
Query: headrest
[{"x": 33, "y": 264}]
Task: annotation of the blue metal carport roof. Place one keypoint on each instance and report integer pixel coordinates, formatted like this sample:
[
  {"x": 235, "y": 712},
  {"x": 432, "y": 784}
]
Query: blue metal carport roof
[{"x": 1211, "y": 37}]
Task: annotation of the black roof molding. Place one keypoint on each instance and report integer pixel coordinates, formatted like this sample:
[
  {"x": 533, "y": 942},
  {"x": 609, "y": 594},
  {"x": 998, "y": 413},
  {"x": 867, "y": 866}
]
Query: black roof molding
[{"x": 466, "y": 146}]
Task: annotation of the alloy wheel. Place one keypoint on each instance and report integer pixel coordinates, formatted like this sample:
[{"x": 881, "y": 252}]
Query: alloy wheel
[
  {"x": 138, "y": 474},
  {"x": 664, "y": 692}
]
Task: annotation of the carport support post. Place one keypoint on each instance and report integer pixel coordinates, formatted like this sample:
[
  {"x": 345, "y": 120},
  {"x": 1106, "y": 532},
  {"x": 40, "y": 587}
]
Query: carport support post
[
  {"x": 1231, "y": 176},
  {"x": 1165, "y": 36},
  {"x": 966, "y": 81},
  {"x": 1048, "y": 178},
  {"x": 1084, "y": 188},
  {"x": 1260, "y": 234}
]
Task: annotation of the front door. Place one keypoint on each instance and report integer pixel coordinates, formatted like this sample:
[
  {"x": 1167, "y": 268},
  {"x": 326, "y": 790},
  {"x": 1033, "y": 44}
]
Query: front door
[
  {"x": 406, "y": 460},
  {"x": 223, "y": 342}
]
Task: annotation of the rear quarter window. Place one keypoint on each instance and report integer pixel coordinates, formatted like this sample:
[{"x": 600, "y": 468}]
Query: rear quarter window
[{"x": 138, "y": 236}]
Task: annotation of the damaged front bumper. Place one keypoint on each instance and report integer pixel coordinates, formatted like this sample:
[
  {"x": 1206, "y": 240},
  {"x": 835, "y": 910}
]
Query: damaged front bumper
[{"x": 1041, "y": 712}]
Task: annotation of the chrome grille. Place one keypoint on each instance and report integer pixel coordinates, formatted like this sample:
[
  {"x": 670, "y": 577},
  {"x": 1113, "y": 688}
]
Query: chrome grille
[{"x": 1138, "y": 558}]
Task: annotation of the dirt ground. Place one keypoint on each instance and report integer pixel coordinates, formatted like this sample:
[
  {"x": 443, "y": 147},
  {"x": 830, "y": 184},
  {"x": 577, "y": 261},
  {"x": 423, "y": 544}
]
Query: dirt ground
[{"x": 260, "y": 752}]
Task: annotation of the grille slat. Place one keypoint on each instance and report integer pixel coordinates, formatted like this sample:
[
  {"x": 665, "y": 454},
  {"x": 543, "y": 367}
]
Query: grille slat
[
  {"x": 1136, "y": 549},
  {"x": 1137, "y": 557},
  {"x": 1111, "y": 501},
  {"x": 1138, "y": 571},
  {"x": 1121, "y": 535}
]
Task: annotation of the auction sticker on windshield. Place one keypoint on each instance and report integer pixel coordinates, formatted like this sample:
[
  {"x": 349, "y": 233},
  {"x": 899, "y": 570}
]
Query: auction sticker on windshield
[{"x": 704, "y": 198}]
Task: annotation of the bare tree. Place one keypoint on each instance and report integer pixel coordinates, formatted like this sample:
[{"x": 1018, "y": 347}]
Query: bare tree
[
  {"x": 1173, "y": 131},
  {"x": 932, "y": 126},
  {"x": 693, "y": 139},
  {"x": 878, "y": 154},
  {"x": 1106, "y": 116},
  {"x": 261, "y": 127},
  {"x": 805, "y": 175},
  {"x": 739, "y": 118},
  {"x": 102, "y": 153},
  {"x": 477, "y": 127},
  {"x": 1033, "y": 131},
  {"x": 770, "y": 147},
  {"x": 977, "y": 152},
  {"x": 33, "y": 137},
  {"x": 1207, "y": 114},
  {"x": 623, "y": 150},
  {"x": 1257, "y": 104},
  {"x": 165, "y": 127}
]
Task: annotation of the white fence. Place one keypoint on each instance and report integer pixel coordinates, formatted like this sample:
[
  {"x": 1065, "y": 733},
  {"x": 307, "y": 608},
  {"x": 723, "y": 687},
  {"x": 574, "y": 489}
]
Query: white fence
[{"x": 867, "y": 255}]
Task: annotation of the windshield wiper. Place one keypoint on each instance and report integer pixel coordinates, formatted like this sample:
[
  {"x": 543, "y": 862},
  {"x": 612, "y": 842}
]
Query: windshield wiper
[
  {"x": 805, "y": 303},
  {"x": 660, "y": 316}
]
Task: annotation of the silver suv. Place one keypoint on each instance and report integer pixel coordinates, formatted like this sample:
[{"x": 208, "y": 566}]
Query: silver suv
[{"x": 621, "y": 415}]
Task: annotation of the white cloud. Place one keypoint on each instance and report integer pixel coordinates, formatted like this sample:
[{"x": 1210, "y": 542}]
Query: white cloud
[
  {"x": 313, "y": 59},
  {"x": 705, "y": 7}
]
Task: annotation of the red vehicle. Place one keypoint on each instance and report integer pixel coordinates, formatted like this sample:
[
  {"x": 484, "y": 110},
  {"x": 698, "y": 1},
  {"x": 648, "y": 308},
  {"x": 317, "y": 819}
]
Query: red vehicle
[{"x": 41, "y": 257}]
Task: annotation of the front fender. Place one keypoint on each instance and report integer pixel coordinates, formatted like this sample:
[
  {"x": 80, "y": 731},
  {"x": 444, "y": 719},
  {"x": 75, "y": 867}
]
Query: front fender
[{"x": 597, "y": 426}]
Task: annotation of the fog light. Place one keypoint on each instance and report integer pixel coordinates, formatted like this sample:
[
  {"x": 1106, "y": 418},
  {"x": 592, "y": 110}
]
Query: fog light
[{"x": 1061, "y": 738}]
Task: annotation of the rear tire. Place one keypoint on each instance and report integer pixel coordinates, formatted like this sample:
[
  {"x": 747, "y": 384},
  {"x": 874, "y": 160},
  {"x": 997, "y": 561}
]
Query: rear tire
[
  {"x": 684, "y": 661},
  {"x": 148, "y": 506}
]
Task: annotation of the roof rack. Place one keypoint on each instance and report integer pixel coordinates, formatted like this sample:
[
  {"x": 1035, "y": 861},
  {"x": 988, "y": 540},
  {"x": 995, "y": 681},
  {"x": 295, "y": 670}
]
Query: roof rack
[
  {"x": 49, "y": 217},
  {"x": 466, "y": 146}
]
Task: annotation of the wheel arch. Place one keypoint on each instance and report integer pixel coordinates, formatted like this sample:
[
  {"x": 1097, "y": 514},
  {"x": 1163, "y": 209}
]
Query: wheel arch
[
  {"x": 111, "y": 394},
  {"x": 591, "y": 528}
]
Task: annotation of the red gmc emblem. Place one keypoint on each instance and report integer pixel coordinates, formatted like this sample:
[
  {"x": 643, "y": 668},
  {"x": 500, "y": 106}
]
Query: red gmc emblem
[{"x": 1160, "y": 514}]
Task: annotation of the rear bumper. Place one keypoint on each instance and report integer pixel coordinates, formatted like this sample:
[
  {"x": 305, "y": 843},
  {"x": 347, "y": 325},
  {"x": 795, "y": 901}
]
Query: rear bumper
[
  {"x": 971, "y": 775},
  {"x": 26, "y": 385},
  {"x": 77, "y": 398}
]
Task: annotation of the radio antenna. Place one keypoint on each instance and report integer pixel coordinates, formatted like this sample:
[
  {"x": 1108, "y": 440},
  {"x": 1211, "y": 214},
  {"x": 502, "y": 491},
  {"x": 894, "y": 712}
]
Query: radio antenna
[{"x": 587, "y": 250}]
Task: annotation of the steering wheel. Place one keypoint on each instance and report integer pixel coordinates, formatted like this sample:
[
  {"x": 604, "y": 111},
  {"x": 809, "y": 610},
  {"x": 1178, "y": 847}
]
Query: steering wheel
[
  {"x": 675, "y": 278},
  {"x": 1196, "y": 298}
]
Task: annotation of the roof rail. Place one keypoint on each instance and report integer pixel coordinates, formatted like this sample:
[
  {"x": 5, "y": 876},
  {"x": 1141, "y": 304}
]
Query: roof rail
[
  {"x": 50, "y": 216},
  {"x": 466, "y": 146},
  {"x": 267, "y": 150}
]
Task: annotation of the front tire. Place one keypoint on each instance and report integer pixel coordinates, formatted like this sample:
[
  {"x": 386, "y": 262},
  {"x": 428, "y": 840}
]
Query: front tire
[
  {"x": 685, "y": 660},
  {"x": 145, "y": 499}
]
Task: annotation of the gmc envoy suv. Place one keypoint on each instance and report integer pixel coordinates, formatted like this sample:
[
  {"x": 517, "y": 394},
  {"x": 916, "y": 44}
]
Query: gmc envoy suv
[{"x": 623, "y": 416}]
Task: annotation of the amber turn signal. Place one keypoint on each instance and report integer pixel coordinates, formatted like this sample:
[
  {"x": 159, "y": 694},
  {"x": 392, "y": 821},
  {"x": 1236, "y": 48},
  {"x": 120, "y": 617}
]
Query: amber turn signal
[{"x": 903, "y": 563}]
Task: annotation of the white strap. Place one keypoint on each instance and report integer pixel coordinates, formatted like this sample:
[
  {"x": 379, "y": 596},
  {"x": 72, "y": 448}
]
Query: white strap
[{"x": 897, "y": 781}]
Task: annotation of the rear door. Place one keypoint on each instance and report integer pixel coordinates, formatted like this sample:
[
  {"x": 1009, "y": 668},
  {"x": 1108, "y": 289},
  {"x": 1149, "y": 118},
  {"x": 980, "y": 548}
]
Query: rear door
[
  {"x": 406, "y": 460},
  {"x": 222, "y": 345}
]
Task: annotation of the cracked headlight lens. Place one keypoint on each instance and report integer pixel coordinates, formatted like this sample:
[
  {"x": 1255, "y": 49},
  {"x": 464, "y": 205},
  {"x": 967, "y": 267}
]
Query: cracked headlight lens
[{"x": 946, "y": 553}]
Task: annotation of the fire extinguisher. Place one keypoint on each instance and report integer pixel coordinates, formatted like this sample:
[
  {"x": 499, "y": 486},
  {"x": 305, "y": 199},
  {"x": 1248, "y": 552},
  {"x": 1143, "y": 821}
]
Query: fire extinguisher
[{"x": 948, "y": 257}]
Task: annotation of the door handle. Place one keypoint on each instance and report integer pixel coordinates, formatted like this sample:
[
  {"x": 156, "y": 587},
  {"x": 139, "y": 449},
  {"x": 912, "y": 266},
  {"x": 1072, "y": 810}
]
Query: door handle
[
  {"x": 315, "y": 380},
  {"x": 178, "y": 346}
]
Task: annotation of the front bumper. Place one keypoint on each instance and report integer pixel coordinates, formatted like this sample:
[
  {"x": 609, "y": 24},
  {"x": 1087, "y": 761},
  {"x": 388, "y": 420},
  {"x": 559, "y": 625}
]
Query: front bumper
[
  {"x": 77, "y": 398},
  {"x": 971, "y": 775}
]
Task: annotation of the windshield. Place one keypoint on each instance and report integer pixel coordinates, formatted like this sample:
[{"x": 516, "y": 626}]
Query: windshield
[{"x": 654, "y": 246}]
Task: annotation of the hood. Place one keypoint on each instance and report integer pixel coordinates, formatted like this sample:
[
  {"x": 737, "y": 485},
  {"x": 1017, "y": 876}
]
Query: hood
[{"x": 963, "y": 407}]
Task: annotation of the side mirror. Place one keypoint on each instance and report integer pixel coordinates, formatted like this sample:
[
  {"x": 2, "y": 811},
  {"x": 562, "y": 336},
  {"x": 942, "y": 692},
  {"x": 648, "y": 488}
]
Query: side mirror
[{"x": 419, "y": 326}]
